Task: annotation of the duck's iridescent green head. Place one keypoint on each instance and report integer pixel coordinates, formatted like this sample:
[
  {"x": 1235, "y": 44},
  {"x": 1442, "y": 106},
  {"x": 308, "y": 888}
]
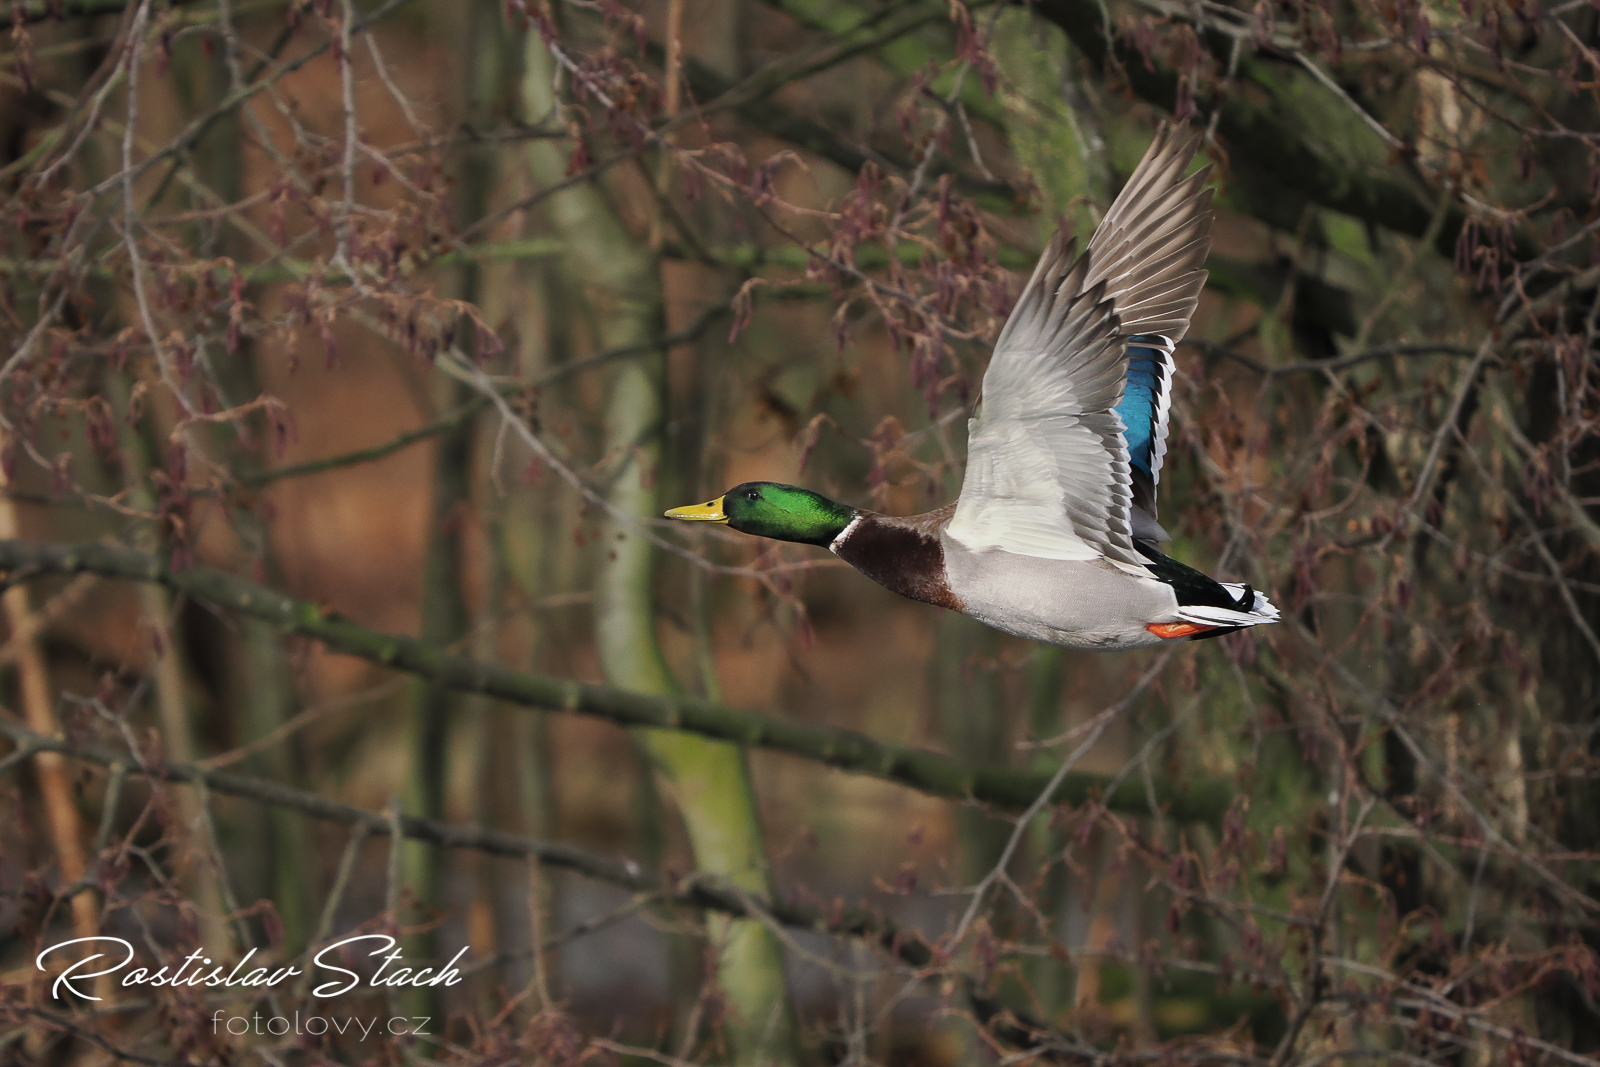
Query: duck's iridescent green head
[{"x": 768, "y": 509}]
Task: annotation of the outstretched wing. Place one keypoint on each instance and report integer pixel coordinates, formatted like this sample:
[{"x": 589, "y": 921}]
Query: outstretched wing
[
  {"x": 1148, "y": 251},
  {"x": 1146, "y": 400},
  {"x": 1049, "y": 471}
]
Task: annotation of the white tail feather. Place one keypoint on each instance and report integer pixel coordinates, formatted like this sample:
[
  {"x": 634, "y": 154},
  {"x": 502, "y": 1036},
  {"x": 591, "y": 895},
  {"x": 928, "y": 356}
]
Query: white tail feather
[{"x": 1262, "y": 611}]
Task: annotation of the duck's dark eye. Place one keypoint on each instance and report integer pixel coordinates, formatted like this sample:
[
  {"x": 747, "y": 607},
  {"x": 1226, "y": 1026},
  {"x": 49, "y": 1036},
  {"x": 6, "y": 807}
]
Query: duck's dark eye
[{"x": 753, "y": 495}]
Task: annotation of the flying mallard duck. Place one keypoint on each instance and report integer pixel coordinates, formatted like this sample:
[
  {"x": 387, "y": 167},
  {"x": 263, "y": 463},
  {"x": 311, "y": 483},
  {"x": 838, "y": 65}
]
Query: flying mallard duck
[{"x": 1054, "y": 535}]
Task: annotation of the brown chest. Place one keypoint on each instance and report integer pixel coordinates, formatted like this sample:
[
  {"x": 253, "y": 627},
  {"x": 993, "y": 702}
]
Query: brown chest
[{"x": 901, "y": 558}]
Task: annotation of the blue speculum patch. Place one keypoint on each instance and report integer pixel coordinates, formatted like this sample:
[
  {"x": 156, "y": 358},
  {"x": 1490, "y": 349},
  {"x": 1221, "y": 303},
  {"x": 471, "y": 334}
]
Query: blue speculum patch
[{"x": 1138, "y": 407}]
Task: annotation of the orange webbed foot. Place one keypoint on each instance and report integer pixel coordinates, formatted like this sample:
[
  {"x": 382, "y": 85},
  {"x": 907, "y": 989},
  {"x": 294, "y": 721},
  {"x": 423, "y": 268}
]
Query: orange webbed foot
[{"x": 1169, "y": 630}]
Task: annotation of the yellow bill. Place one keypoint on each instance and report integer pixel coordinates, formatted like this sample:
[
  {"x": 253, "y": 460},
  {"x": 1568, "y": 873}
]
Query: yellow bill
[{"x": 709, "y": 512}]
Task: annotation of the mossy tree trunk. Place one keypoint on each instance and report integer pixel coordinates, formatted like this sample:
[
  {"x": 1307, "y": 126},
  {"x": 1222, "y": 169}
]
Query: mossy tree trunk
[
  {"x": 971, "y": 711},
  {"x": 709, "y": 780},
  {"x": 259, "y": 683},
  {"x": 438, "y": 717}
]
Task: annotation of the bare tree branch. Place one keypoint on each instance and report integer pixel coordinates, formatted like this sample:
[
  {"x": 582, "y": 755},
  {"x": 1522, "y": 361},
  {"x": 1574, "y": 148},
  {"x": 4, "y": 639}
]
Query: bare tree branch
[{"x": 920, "y": 769}]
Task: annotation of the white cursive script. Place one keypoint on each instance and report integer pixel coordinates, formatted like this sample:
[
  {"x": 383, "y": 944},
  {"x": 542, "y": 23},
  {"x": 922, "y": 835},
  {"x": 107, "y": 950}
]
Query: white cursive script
[
  {"x": 192, "y": 971},
  {"x": 181, "y": 975},
  {"x": 403, "y": 976}
]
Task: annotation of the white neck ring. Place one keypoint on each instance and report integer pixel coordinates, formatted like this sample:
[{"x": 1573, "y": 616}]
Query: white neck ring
[{"x": 833, "y": 546}]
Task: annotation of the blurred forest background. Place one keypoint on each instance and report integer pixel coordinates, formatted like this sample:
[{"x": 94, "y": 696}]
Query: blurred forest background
[{"x": 352, "y": 350}]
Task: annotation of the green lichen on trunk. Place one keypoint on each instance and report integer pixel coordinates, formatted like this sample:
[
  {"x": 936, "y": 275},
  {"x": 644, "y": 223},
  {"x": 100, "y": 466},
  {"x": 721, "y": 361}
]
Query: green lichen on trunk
[{"x": 709, "y": 780}]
